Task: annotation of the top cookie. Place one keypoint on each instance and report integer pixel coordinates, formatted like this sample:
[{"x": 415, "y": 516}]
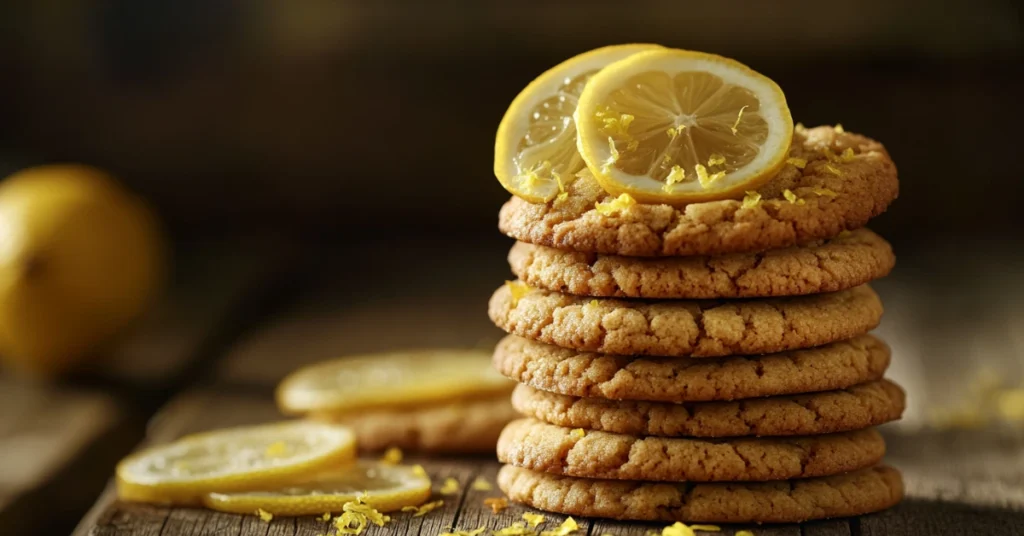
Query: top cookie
[
  {"x": 834, "y": 194},
  {"x": 844, "y": 262}
]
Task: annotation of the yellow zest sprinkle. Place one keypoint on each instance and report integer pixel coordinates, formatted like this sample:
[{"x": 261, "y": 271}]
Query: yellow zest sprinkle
[
  {"x": 791, "y": 197},
  {"x": 578, "y": 433},
  {"x": 800, "y": 163},
  {"x": 355, "y": 517},
  {"x": 276, "y": 449},
  {"x": 515, "y": 529},
  {"x": 567, "y": 527},
  {"x": 743, "y": 533},
  {"x": 560, "y": 198},
  {"x": 613, "y": 155},
  {"x": 474, "y": 532},
  {"x": 799, "y": 126},
  {"x": 481, "y": 484},
  {"x": 705, "y": 179},
  {"x": 677, "y": 529},
  {"x": 838, "y": 128},
  {"x": 716, "y": 160},
  {"x": 706, "y": 528},
  {"x": 751, "y": 200},
  {"x": 418, "y": 469},
  {"x": 824, "y": 192},
  {"x": 675, "y": 131},
  {"x": 737, "y": 123},
  {"x": 676, "y": 175},
  {"x": 392, "y": 456},
  {"x": 666, "y": 159},
  {"x": 326, "y": 516},
  {"x": 558, "y": 180},
  {"x": 264, "y": 515},
  {"x": 518, "y": 289},
  {"x": 423, "y": 509},
  {"x": 496, "y": 504},
  {"x": 844, "y": 234},
  {"x": 450, "y": 486},
  {"x": 616, "y": 205},
  {"x": 832, "y": 169},
  {"x": 847, "y": 154},
  {"x": 530, "y": 180},
  {"x": 1010, "y": 404},
  {"x": 616, "y": 125},
  {"x": 533, "y": 519}
]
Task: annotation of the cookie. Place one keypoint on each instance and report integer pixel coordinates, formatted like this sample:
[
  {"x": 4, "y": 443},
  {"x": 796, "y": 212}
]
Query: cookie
[
  {"x": 860, "y": 406},
  {"x": 461, "y": 426},
  {"x": 540, "y": 446},
  {"x": 568, "y": 372},
  {"x": 693, "y": 328},
  {"x": 846, "y": 261},
  {"x": 833, "y": 194},
  {"x": 859, "y": 492}
]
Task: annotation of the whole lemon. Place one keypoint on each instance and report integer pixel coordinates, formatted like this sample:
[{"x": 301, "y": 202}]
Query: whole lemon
[{"x": 79, "y": 259}]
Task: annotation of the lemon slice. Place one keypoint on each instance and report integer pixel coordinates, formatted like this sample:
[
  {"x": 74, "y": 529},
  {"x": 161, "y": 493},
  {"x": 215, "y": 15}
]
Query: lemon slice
[
  {"x": 675, "y": 127},
  {"x": 390, "y": 380},
  {"x": 535, "y": 149},
  {"x": 234, "y": 459},
  {"x": 382, "y": 486}
]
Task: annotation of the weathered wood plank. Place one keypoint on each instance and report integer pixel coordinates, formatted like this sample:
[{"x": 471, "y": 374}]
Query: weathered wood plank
[
  {"x": 836, "y": 527},
  {"x": 941, "y": 519}
]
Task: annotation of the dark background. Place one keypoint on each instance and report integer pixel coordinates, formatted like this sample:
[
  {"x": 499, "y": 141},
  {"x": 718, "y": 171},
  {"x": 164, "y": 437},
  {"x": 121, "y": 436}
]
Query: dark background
[{"x": 359, "y": 120}]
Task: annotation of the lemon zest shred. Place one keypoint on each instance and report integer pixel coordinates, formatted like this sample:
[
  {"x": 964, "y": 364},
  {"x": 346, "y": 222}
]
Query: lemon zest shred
[
  {"x": 530, "y": 180},
  {"x": 677, "y": 529},
  {"x": 675, "y": 176},
  {"x": 743, "y": 533},
  {"x": 716, "y": 160},
  {"x": 739, "y": 116},
  {"x": 799, "y": 163},
  {"x": 792, "y": 198},
  {"x": 707, "y": 180},
  {"x": 751, "y": 199},
  {"x": 824, "y": 192},
  {"x": 276, "y": 449},
  {"x": 567, "y": 527},
  {"x": 481, "y": 484},
  {"x": 533, "y": 520},
  {"x": 496, "y": 504},
  {"x": 423, "y": 509},
  {"x": 832, "y": 169},
  {"x": 392, "y": 456},
  {"x": 515, "y": 529},
  {"x": 613, "y": 155},
  {"x": 518, "y": 289},
  {"x": 450, "y": 487},
  {"x": 560, "y": 198},
  {"x": 356, "y": 515},
  {"x": 578, "y": 433},
  {"x": 264, "y": 515},
  {"x": 617, "y": 205},
  {"x": 418, "y": 469},
  {"x": 707, "y": 528},
  {"x": 474, "y": 532},
  {"x": 839, "y": 128},
  {"x": 326, "y": 516},
  {"x": 847, "y": 154}
]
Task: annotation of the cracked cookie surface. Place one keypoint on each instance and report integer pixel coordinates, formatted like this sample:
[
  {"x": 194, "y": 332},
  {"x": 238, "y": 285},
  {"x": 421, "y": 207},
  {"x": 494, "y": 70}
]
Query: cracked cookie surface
[
  {"x": 857, "y": 407},
  {"x": 540, "y": 446},
  {"x": 859, "y": 492},
  {"x": 833, "y": 194},
  {"x": 844, "y": 262},
  {"x": 586, "y": 374},
  {"x": 695, "y": 328},
  {"x": 462, "y": 426}
]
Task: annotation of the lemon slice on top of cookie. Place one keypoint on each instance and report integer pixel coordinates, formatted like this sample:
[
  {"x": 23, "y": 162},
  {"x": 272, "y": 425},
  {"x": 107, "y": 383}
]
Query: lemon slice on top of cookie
[
  {"x": 676, "y": 126},
  {"x": 535, "y": 148}
]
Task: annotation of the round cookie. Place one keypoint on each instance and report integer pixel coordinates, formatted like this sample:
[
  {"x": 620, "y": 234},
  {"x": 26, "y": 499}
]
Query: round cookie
[
  {"x": 461, "y": 426},
  {"x": 684, "y": 327},
  {"x": 540, "y": 446},
  {"x": 569, "y": 372},
  {"x": 849, "y": 260},
  {"x": 859, "y": 492},
  {"x": 833, "y": 194},
  {"x": 858, "y": 407}
]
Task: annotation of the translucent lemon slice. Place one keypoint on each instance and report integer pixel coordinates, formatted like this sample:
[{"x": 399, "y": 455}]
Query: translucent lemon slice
[
  {"x": 234, "y": 459},
  {"x": 535, "y": 149},
  {"x": 381, "y": 486},
  {"x": 675, "y": 127},
  {"x": 390, "y": 380}
]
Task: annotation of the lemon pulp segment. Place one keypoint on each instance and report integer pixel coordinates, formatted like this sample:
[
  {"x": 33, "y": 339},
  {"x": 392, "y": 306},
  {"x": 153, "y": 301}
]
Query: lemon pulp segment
[
  {"x": 390, "y": 380},
  {"x": 535, "y": 151},
  {"x": 674, "y": 126},
  {"x": 382, "y": 486},
  {"x": 255, "y": 457}
]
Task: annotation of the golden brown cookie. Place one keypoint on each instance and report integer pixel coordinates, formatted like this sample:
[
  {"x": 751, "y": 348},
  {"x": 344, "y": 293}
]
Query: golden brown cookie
[
  {"x": 461, "y": 426},
  {"x": 860, "y": 406},
  {"x": 859, "y": 492},
  {"x": 846, "y": 261},
  {"x": 569, "y": 372},
  {"x": 540, "y": 446},
  {"x": 692, "y": 328},
  {"x": 833, "y": 194}
]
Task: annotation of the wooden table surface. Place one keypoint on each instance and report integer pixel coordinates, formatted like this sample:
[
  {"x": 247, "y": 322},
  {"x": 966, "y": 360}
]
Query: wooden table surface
[{"x": 240, "y": 317}]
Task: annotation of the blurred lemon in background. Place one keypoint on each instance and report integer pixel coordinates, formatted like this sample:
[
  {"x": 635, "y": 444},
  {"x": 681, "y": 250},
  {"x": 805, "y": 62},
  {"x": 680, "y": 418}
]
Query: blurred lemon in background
[{"x": 79, "y": 258}]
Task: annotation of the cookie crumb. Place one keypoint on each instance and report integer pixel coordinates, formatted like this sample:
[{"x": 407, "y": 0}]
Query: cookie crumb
[{"x": 496, "y": 504}]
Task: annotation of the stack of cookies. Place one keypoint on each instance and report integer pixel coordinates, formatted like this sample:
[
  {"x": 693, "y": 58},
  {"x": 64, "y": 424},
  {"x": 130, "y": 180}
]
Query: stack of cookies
[{"x": 709, "y": 363}]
